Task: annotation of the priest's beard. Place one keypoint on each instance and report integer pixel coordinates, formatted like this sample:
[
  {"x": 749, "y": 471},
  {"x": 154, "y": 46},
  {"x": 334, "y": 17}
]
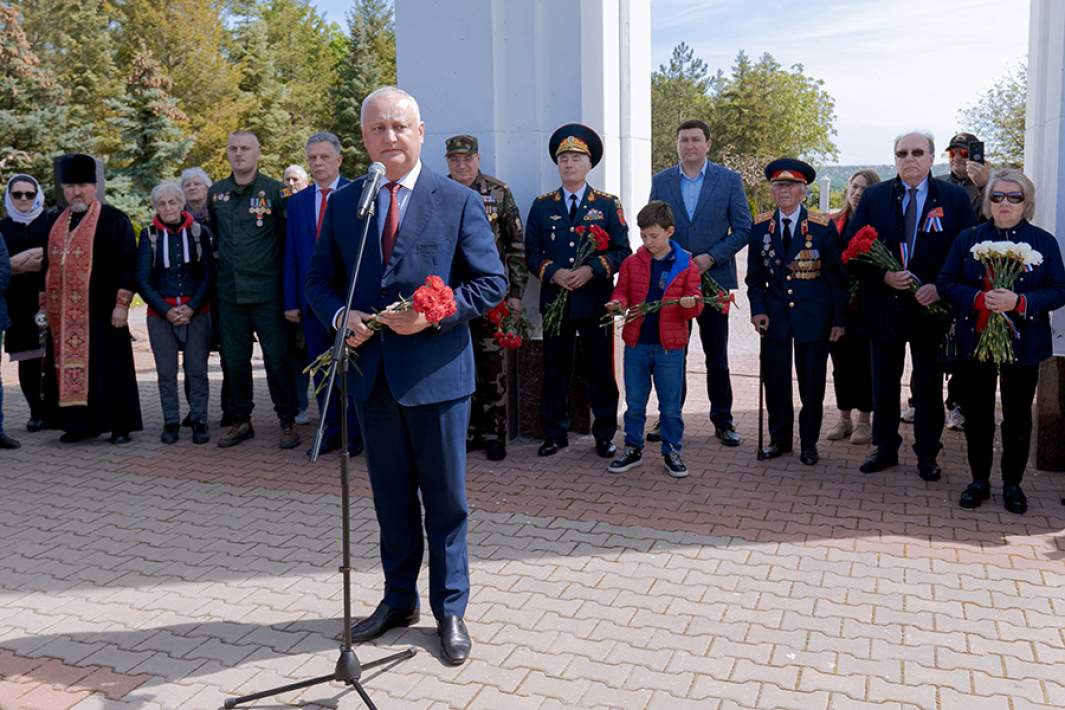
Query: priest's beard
[{"x": 78, "y": 207}]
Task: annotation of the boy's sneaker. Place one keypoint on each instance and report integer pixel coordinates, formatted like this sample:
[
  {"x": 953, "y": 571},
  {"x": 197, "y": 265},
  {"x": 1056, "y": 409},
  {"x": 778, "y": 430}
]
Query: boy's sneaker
[
  {"x": 631, "y": 458},
  {"x": 675, "y": 465}
]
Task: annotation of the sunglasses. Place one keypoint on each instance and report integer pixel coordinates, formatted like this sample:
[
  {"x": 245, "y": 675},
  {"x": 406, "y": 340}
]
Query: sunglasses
[
  {"x": 1014, "y": 198},
  {"x": 916, "y": 152},
  {"x": 958, "y": 152},
  {"x": 18, "y": 195}
]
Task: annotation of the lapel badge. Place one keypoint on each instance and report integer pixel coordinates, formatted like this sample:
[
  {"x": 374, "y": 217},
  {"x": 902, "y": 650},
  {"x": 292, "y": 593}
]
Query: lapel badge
[{"x": 556, "y": 217}]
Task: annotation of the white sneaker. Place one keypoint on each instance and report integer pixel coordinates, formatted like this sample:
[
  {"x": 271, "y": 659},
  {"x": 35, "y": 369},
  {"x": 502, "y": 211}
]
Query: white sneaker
[
  {"x": 302, "y": 418},
  {"x": 863, "y": 433},
  {"x": 906, "y": 415},
  {"x": 842, "y": 430},
  {"x": 955, "y": 419}
]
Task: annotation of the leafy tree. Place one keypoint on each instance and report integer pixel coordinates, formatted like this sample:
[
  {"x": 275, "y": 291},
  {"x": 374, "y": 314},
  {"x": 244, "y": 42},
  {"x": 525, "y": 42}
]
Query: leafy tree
[
  {"x": 679, "y": 92},
  {"x": 998, "y": 118},
  {"x": 368, "y": 61}
]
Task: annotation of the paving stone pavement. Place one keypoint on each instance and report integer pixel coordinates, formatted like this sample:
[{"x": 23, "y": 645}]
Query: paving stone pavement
[{"x": 154, "y": 576}]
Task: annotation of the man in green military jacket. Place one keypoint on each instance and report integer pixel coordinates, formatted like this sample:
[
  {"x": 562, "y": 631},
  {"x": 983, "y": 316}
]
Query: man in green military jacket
[
  {"x": 488, "y": 413},
  {"x": 248, "y": 215}
]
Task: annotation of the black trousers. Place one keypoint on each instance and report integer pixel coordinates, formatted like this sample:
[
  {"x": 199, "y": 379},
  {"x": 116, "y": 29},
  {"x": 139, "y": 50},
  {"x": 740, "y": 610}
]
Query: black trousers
[
  {"x": 1018, "y": 384},
  {"x": 927, "y": 385},
  {"x": 852, "y": 372},
  {"x": 598, "y": 369},
  {"x": 29, "y": 380},
  {"x": 713, "y": 334},
  {"x": 811, "y": 365}
]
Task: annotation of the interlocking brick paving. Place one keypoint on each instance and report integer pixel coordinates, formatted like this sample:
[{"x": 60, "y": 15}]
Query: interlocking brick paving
[{"x": 154, "y": 576}]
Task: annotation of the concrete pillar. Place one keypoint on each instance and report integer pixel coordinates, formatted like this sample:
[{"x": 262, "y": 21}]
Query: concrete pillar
[{"x": 1044, "y": 163}]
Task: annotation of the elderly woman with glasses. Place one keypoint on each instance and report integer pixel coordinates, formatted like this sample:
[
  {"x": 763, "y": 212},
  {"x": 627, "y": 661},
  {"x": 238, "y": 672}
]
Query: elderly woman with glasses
[
  {"x": 25, "y": 232},
  {"x": 174, "y": 273},
  {"x": 1009, "y": 202}
]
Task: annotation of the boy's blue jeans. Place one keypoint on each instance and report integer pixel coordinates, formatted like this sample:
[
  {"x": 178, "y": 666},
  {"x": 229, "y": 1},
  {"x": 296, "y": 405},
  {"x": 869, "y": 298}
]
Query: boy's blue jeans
[{"x": 666, "y": 367}]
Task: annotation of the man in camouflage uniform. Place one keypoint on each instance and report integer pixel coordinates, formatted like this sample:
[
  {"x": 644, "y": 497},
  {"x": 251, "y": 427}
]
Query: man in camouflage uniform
[{"x": 488, "y": 414}]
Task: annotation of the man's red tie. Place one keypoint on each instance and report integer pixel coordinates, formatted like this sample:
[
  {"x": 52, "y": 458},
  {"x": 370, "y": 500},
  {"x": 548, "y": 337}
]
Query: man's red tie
[
  {"x": 388, "y": 234},
  {"x": 321, "y": 210}
]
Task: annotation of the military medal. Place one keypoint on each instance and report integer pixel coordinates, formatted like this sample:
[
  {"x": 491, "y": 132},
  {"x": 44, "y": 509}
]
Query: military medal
[{"x": 258, "y": 207}]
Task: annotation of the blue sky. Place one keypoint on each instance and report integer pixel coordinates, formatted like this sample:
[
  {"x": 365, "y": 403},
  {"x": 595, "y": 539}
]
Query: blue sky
[{"x": 891, "y": 65}]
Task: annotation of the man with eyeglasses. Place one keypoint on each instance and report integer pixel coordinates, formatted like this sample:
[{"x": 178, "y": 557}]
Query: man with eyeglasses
[
  {"x": 917, "y": 217},
  {"x": 969, "y": 175}
]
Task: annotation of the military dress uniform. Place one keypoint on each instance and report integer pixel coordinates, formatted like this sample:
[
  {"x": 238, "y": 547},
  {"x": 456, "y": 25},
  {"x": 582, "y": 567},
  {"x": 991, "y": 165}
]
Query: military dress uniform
[
  {"x": 250, "y": 223},
  {"x": 488, "y": 413},
  {"x": 797, "y": 280},
  {"x": 551, "y": 244}
]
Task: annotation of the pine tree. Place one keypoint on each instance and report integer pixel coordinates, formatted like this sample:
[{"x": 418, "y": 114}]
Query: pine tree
[
  {"x": 369, "y": 61},
  {"x": 266, "y": 100}
]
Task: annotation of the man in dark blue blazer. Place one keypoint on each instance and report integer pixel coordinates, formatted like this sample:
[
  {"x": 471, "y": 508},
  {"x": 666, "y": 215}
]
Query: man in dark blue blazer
[
  {"x": 413, "y": 382},
  {"x": 306, "y": 212},
  {"x": 714, "y": 224},
  {"x": 917, "y": 217}
]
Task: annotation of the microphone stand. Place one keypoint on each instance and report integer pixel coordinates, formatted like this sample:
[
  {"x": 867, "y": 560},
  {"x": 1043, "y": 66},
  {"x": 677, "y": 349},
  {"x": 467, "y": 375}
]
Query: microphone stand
[{"x": 348, "y": 670}]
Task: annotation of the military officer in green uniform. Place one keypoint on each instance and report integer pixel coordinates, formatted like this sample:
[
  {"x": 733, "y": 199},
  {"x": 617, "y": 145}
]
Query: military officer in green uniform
[
  {"x": 488, "y": 415},
  {"x": 247, "y": 213}
]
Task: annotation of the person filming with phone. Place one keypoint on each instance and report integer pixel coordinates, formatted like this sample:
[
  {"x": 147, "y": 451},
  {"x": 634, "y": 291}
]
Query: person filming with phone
[{"x": 968, "y": 169}]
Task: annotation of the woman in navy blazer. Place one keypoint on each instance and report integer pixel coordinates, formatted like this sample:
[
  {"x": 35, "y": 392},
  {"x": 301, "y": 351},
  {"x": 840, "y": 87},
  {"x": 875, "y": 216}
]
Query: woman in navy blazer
[{"x": 1009, "y": 202}]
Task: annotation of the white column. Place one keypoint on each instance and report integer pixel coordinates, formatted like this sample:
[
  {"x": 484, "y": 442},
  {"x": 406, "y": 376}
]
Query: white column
[{"x": 1044, "y": 139}]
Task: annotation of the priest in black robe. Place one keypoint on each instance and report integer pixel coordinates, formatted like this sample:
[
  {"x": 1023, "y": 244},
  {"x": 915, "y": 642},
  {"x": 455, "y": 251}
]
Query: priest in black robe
[{"x": 90, "y": 277}]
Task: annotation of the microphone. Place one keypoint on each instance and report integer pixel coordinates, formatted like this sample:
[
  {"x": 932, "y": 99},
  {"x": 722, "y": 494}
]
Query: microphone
[{"x": 375, "y": 176}]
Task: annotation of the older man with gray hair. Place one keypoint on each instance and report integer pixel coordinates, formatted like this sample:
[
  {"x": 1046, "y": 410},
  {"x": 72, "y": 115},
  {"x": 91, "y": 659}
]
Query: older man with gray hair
[
  {"x": 917, "y": 217},
  {"x": 305, "y": 213}
]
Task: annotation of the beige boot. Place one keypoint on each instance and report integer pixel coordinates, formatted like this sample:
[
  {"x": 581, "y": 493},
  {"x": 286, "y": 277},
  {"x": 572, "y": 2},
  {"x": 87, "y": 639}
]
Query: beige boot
[
  {"x": 863, "y": 432},
  {"x": 842, "y": 429}
]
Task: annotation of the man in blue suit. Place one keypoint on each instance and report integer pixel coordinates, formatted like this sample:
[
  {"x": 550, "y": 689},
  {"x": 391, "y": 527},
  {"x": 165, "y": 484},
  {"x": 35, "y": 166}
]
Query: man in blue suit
[
  {"x": 917, "y": 217},
  {"x": 714, "y": 224},
  {"x": 413, "y": 382},
  {"x": 306, "y": 211}
]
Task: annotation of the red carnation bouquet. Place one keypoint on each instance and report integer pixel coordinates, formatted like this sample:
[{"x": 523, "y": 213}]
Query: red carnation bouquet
[
  {"x": 511, "y": 328},
  {"x": 866, "y": 246},
  {"x": 434, "y": 299},
  {"x": 716, "y": 296},
  {"x": 592, "y": 239}
]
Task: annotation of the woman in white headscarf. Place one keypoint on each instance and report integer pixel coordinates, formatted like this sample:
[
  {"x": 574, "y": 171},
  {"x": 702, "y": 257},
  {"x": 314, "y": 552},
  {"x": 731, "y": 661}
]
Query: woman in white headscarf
[{"x": 26, "y": 234}]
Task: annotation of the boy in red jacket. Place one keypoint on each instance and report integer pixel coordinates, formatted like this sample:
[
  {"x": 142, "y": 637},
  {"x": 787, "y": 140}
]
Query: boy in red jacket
[{"x": 660, "y": 271}]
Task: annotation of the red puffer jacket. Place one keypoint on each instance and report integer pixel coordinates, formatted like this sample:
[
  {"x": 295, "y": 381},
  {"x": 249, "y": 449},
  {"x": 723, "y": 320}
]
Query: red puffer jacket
[{"x": 635, "y": 281}]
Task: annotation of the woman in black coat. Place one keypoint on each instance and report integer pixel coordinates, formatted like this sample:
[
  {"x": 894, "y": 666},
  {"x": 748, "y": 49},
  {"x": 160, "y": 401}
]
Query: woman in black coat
[
  {"x": 25, "y": 230},
  {"x": 1009, "y": 202}
]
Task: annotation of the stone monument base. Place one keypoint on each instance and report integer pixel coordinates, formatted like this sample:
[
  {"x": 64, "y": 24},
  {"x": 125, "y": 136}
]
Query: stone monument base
[{"x": 1050, "y": 416}]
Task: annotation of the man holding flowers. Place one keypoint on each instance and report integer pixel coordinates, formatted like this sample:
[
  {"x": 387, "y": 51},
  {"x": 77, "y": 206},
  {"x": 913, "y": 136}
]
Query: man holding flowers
[
  {"x": 575, "y": 241},
  {"x": 1004, "y": 277},
  {"x": 414, "y": 379},
  {"x": 916, "y": 218}
]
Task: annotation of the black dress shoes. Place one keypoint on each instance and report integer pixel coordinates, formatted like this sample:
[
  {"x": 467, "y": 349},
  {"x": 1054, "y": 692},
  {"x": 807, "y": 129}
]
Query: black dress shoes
[
  {"x": 808, "y": 455},
  {"x": 728, "y": 436},
  {"x": 454, "y": 640},
  {"x": 1013, "y": 499},
  {"x": 606, "y": 449},
  {"x": 774, "y": 450},
  {"x": 170, "y": 434},
  {"x": 495, "y": 451},
  {"x": 550, "y": 447},
  {"x": 6, "y": 442},
  {"x": 381, "y": 620},
  {"x": 929, "y": 471},
  {"x": 34, "y": 425},
  {"x": 878, "y": 462},
  {"x": 975, "y": 494},
  {"x": 200, "y": 433},
  {"x": 120, "y": 437}
]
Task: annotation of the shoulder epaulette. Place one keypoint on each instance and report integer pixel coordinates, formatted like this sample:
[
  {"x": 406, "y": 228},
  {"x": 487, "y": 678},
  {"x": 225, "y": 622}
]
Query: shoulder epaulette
[
  {"x": 607, "y": 195},
  {"x": 494, "y": 181},
  {"x": 763, "y": 217},
  {"x": 553, "y": 195},
  {"x": 286, "y": 192},
  {"x": 818, "y": 218}
]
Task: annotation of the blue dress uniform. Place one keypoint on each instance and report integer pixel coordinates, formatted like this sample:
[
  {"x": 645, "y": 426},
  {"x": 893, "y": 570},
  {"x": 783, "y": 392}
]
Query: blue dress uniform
[
  {"x": 800, "y": 285},
  {"x": 551, "y": 243}
]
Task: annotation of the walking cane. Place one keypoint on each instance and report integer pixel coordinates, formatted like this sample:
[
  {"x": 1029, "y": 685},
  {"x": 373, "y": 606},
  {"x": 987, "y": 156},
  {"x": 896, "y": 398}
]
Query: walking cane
[
  {"x": 42, "y": 341},
  {"x": 761, "y": 392}
]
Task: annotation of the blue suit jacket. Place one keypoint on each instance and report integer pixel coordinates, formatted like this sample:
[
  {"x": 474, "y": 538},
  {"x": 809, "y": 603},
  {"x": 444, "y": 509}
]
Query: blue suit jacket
[
  {"x": 889, "y": 313},
  {"x": 5, "y": 281},
  {"x": 444, "y": 232},
  {"x": 300, "y": 238},
  {"x": 721, "y": 225}
]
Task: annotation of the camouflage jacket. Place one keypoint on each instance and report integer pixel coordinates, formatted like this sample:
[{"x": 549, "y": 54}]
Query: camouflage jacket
[{"x": 505, "y": 219}]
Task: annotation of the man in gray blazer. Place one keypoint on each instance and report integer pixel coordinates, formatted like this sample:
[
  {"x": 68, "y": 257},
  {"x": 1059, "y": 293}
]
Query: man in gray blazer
[{"x": 713, "y": 222}]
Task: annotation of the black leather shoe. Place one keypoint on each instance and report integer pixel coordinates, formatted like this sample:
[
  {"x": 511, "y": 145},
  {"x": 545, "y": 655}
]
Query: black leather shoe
[
  {"x": 381, "y": 620},
  {"x": 6, "y": 442},
  {"x": 170, "y": 434},
  {"x": 186, "y": 423},
  {"x": 808, "y": 455},
  {"x": 454, "y": 640},
  {"x": 878, "y": 462},
  {"x": 655, "y": 435},
  {"x": 929, "y": 471},
  {"x": 550, "y": 447},
  {"x": 120, "y": 438},
  {"x": 606, "y": 449},
  {"x": 495, "y": 451},
  {"x": 34, "y": 425},
  {"x": 475, "y": 444},
  {"x": 975, "y": 494},
  {"x": 200, "y": 433},
  {"x": 774, "y": 450},
  {"x": 728, "y": 436},
  {"x": 1013, "y": 499}
]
